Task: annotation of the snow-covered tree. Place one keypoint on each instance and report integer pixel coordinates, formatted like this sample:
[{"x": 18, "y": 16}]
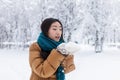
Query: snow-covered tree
[{"x": 84, "y": 21}]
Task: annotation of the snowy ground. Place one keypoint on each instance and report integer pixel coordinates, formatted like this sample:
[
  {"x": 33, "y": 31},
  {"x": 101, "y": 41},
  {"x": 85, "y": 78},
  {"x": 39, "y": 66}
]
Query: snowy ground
[{"x": 89, "y": 65}]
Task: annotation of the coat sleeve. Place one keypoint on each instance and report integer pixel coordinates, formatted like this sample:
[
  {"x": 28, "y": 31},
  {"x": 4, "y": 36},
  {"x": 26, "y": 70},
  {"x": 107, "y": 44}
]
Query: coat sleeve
[
  {"x": 44, "y": 68},
  {"x": 68, "y": 64}
]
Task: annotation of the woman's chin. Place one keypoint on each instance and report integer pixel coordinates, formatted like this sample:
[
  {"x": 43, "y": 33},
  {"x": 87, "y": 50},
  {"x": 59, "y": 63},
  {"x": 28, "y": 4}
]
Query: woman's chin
[{"x": 57, "y": 40}]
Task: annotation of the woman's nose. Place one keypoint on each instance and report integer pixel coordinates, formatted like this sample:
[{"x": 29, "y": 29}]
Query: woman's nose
[{"x": 58, "y": 32}]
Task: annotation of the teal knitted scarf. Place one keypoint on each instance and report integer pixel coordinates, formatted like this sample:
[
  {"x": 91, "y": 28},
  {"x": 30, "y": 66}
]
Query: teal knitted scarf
[{"x": 47, "y": 44}]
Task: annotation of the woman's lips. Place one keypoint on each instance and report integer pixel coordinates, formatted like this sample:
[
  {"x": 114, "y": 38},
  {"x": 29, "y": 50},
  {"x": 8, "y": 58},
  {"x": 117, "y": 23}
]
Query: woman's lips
[{"x": 57, "y": 37}]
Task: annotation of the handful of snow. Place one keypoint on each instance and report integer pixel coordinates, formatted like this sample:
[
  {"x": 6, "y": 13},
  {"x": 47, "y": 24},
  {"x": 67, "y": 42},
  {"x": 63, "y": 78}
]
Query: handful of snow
[{"x": 72, "y": 47}]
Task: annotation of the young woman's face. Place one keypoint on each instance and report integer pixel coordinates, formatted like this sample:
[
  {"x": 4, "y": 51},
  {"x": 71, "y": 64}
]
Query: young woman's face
[{"x": 55, "y": 31}]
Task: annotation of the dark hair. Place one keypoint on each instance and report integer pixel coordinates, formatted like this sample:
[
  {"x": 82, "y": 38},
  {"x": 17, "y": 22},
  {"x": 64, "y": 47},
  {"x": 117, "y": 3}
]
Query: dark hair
[{"x": 45, "y": 26}]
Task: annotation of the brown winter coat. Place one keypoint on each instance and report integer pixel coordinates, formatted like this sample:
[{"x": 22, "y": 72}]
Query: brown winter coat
[{"x": 45, "y": 69}]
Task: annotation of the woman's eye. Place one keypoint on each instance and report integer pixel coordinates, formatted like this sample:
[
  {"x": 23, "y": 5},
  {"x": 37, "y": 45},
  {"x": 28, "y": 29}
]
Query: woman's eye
[
  {"x": 54, "y": 29},
  {"x": 60, "y": 29}
]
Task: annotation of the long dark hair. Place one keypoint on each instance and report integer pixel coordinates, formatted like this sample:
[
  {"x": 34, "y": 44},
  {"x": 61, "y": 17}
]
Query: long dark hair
[{"x": 45, "y": 26}]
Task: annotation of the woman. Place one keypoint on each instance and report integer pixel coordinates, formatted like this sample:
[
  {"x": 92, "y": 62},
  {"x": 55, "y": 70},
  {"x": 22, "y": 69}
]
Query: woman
[{"x": 48, "y": 58}]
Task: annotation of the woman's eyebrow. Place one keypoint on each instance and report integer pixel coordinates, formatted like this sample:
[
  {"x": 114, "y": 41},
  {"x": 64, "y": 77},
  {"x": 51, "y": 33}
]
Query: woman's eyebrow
[{"x": 56, "y": 26}]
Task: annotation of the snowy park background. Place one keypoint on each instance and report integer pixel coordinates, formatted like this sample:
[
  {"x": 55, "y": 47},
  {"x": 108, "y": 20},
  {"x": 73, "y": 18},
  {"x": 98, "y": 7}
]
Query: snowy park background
[{"x": 93, "y": 24}]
